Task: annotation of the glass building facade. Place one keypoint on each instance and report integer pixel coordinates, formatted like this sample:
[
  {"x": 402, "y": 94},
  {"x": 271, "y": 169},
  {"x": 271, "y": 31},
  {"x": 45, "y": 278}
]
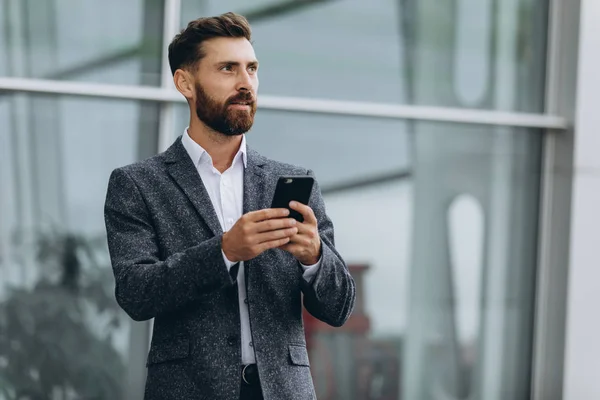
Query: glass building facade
[{"x": 426, "y": 123}]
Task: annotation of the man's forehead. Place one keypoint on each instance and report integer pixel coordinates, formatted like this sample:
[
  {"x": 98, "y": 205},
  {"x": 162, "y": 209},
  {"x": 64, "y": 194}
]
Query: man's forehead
[{"x": 229, "y": 49}]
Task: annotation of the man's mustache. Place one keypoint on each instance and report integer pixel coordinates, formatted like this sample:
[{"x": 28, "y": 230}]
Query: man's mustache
[{"x": 243, "y": 97}]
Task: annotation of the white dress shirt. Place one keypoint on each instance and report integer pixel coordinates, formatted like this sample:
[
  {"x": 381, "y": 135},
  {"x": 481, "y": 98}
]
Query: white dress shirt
[{"x": 226, "y": 192}]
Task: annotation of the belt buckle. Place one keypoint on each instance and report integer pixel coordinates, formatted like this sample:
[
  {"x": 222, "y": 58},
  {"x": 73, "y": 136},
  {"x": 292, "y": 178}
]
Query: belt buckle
[{"x": 244, "y": 374}]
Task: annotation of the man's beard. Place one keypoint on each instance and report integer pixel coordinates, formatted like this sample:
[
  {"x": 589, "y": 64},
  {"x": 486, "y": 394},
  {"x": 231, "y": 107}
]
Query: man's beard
[{"x": 220, "y": 118}]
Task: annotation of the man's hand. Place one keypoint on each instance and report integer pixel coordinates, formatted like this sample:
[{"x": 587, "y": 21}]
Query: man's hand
[
  {"x": 258, "y": 231},
  {"x": 305, "y": 245}
]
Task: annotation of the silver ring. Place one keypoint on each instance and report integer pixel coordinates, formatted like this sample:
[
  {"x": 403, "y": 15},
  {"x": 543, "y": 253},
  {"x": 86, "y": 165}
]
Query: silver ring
[{"x": 244, "y": 374}]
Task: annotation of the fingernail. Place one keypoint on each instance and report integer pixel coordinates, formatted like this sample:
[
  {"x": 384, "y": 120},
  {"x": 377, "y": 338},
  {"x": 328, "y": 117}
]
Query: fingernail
[{"x": 293, "y": 204}]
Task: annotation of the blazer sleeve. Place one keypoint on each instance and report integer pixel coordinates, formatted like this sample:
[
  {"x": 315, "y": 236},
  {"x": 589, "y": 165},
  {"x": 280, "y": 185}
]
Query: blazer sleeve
[
  {"x": 145, "y": 285},
  {"x": 330, "y": 295}
]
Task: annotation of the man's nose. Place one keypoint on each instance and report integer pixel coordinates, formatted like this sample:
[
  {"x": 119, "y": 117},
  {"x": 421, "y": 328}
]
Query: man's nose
[{"x": 245, "y": 82}]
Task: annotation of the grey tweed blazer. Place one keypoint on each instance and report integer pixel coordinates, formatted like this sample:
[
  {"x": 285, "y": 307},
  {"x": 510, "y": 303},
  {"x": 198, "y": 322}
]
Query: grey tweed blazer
[{"x": 164, "y": 240}]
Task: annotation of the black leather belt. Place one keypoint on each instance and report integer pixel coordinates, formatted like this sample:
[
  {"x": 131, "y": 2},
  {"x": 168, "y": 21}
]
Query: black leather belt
[{"x": 250, "y": 375}]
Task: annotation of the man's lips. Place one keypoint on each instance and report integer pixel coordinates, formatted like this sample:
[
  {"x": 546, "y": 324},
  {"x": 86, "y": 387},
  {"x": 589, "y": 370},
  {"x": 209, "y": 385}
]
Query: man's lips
[{"x": 240, "y": 104}]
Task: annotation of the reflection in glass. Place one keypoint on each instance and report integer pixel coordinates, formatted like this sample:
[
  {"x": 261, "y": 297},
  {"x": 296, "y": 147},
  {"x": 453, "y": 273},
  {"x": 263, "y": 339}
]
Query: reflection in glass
[
  {"x": 490, "y": 258},
  {"x": 472, "y": 50},
  {"x": 62, "y": 335},
  {"x": 106, "y": 42},
  {"x": 475, "y": 54},
  {"x": 466, "y": 267}
]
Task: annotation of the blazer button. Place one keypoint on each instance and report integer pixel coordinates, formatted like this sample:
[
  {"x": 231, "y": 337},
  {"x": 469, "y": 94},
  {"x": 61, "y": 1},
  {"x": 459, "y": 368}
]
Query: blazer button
[{"x": 232, "y": 340}]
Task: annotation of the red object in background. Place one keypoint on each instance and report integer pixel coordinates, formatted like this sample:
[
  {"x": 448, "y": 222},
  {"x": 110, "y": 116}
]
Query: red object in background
[
  {"x": 358, "y": 324},
  {"x": 347, "y": 356}
]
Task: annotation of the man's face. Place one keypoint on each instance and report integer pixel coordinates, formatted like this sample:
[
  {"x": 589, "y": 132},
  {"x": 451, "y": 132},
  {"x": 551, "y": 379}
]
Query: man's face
[{"x": 226, "y": 85}]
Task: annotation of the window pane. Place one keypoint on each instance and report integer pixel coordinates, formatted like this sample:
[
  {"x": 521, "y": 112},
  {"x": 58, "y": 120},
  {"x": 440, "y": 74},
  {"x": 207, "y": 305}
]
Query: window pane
[
  {"x": 111, "y": 41},
  {"x": 438, "y": 223},
  {"x": 473, "y": 262},
  {"x": 466, "y": 53},
  {"x": 62, "y": 334}
]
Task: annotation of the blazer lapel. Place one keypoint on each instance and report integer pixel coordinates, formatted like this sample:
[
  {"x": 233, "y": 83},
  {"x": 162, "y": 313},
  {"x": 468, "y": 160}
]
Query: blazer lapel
[
  {"x": 181, "y": 168},
  {"x": 256, "y": 190}
]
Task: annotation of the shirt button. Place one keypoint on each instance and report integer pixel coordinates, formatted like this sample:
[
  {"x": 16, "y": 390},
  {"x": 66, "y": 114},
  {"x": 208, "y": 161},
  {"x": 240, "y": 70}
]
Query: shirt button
[
  {"x": 251, "y": 344},
  {"x": 246, "y": 301}
]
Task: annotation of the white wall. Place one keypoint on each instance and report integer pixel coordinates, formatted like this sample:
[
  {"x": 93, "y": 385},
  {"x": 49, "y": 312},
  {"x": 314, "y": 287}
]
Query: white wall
[{"x": 582, "y": 356}]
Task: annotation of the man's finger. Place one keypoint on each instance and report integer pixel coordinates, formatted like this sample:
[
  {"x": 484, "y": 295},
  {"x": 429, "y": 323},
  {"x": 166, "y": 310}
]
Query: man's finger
[
  {"x": 273, "y": 244},
  {"x": 300, "y": 240},
  {"x": 268, "y": 213},
  {"x": 306, "y": 211},
  {"x": 303, "y": 228},
  {"x": 275, "y": 224},
  {"x": 274, "y": 235}
]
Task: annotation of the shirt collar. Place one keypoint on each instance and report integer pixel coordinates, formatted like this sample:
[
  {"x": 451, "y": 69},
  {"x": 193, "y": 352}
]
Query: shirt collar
[{"x": 198, "y": 154}]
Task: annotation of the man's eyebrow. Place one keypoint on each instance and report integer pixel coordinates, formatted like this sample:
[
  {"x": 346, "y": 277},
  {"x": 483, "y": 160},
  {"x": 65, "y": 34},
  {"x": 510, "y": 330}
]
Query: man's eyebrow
[{"x": 236, "y": 63}]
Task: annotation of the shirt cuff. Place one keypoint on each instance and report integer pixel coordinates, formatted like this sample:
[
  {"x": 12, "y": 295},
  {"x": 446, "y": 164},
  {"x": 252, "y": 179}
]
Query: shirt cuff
[
  {"x": 228, "y": 263},
  {"x": 310, "y": 270}
]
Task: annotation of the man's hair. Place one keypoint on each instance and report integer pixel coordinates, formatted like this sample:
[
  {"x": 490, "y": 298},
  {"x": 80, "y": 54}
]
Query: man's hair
[{"x": 185, "y": 51}]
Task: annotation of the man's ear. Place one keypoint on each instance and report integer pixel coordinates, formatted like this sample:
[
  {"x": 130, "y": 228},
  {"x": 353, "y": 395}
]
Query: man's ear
[{"x": 184, "y": 82}]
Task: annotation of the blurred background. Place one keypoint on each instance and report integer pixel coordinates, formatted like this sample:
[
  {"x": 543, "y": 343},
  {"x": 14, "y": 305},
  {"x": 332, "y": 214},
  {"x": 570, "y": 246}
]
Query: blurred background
[{"x": 441, "y": 132}]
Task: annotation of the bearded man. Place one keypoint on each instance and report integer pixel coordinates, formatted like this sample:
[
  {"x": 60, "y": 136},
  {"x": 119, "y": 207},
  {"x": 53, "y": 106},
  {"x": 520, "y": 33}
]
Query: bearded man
[{"x": 195, "y": 245}]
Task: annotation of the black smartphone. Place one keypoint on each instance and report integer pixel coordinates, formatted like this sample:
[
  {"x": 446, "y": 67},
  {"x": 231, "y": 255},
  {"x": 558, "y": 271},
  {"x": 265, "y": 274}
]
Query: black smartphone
[{"x": 292, "y": 188}]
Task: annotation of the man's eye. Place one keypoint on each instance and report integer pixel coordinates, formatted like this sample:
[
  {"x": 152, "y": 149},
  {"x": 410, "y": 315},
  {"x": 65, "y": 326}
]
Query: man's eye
[
  {"x": 254, "y": 68},
  {"x": 226, "y": 68}
]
